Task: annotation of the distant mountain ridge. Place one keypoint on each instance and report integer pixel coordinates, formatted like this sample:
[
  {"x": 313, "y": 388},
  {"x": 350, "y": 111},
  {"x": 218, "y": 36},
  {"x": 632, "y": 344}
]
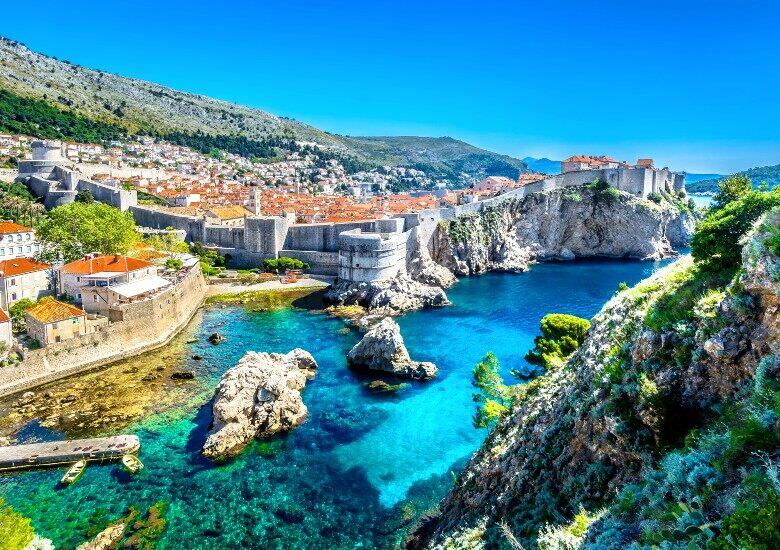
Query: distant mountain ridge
[
  {"x": 139, "y": 106},
  {"x": 769, "y": 175},
  {"x": 543, "y": 165}
]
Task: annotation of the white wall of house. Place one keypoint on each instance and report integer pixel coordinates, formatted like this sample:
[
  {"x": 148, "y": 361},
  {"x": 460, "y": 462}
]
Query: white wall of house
[
  {"x": 33, "y": 286},
  {"x": 19, "y": 245}
]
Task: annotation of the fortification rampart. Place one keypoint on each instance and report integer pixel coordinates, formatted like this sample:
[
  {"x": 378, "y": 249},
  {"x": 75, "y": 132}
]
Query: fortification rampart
[
  {"x": 365, "y": 257},
  {"x": 135, "y": 328}
]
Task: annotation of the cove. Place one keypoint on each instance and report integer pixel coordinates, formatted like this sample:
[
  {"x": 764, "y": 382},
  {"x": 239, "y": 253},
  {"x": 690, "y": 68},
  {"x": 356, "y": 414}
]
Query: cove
[{"x": 363, "y": 466}]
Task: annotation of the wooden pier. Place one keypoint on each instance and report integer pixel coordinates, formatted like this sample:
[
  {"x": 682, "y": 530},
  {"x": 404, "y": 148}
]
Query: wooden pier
[{"x": 58, "y": 453}]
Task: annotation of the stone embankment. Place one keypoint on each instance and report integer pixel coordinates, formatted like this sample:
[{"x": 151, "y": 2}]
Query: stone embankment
[
  {"x": 259, "y": 397},
  {"x": 382, "y": 349},
  {"x": 138, "y": 327}
]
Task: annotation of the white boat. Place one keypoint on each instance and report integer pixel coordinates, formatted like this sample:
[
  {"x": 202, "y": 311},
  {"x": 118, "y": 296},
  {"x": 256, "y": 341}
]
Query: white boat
[
  {"x": 74, "y": 472},
  {"x": 132, "y": 463}
]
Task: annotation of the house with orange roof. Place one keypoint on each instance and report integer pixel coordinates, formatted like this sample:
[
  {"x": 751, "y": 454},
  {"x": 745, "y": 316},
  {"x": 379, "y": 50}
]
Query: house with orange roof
[
  {"x": 24, "y": 278},
  {"x": 51, "y": 321},
  {"x": 17, "y": 241},
  {"x": 87, "y": 278},
  {"x": 230, "y": 216}
]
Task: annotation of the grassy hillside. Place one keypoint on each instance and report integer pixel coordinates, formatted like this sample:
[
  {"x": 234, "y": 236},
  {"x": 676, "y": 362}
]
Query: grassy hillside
[
  {"x": 96, "y": 98},
  {"x": 770, "y": 175}
]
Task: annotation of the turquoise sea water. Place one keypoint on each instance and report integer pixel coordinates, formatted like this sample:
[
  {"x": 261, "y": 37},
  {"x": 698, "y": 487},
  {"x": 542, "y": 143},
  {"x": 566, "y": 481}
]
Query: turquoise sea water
[
  {"x": 363, "y": 465},
  {"x": 702, "y": 201}
]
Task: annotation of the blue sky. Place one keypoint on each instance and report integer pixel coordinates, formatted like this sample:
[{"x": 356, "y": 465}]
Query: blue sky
[{"x": 693, "y": 84}]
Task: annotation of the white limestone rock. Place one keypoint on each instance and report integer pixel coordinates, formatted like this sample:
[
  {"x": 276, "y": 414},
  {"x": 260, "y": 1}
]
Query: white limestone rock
[
  {"x": 259, "y": 397},
  {"x": 389, "y": 297},
  {"x": 423, "y": 269},
  {"x": 382, "y": 349},
  {"x": 107, "y": 539}
]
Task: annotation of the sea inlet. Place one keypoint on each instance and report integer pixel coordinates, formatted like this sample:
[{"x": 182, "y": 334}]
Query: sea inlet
[{"x": 357, "y": 473}]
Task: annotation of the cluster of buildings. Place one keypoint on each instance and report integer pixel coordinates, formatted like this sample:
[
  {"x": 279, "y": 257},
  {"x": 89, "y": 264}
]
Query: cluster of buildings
[
  {"x": 88, "y": 287},
  {"x": 578, "y": 163}
]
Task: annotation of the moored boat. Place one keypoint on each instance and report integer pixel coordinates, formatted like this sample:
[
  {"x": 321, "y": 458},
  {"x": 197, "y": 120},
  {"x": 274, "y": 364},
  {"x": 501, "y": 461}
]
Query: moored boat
[
  {"x": 74, "y": 472},
  {"x": 132, "y": 463}
]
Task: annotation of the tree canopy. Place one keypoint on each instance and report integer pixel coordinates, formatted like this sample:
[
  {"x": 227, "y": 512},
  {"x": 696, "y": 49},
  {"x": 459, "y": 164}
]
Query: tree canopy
[
  {"x": 731, "y": 189},
  {"x": 716, "y": 242},
  {"x": 78, "y": 228}
]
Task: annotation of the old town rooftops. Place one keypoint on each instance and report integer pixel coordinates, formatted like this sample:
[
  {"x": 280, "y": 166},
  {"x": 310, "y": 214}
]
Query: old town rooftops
[
  {"x": 112, "y": 264},
  {"x": 20, "y": 266}
]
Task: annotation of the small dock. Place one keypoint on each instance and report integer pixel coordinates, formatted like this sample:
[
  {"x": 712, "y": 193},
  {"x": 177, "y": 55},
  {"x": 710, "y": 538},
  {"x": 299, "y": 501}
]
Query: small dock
[{"x": 59, "y": 453}]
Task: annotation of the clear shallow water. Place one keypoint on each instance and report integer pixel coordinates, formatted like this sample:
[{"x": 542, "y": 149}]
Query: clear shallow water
[{"x": 363, "y": 465}]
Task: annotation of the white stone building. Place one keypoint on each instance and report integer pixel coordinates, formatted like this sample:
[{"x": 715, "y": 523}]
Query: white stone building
[{"x": 24, "y": 278}]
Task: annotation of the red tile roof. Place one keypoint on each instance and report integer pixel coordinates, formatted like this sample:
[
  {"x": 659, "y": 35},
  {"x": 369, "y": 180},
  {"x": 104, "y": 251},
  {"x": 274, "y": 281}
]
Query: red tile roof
[
  {"x": 20, "y": 266},
  {"x": 112, "y": 264},
  {"x": 51, "y": 311},
  {"x": 12, "y": 227},
  {"x": 4, "y": 316}
]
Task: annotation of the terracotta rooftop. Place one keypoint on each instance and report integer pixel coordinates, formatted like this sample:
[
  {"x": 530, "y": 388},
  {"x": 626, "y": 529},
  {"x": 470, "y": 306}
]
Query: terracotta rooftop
[
  {"x": 51, "y": 311},
  {"x": 4, "y": 316},
  {"x": 229, "y": 212},
  {"x": 20, "y": 266},
  {"x": 112, "y": 264},
  {"x": 12, "y": 227}
]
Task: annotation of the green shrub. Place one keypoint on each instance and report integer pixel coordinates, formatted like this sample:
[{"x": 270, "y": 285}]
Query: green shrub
[
  {"x": 731, "y": 189},
  {"x": 716, "y": 241},
  {"x": 16, "y": 312},
  {"x": 561, "y": 335},
  {"x": 655, "y": 197},
  {"x": 755, "y": 524},
  {"x": 174, "y": 263},
  {"x": 494, "y": 397},
  {"x": 283, "y": 264}
]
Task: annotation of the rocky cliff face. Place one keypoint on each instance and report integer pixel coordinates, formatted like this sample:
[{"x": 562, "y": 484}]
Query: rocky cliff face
[
  {"x": 631, "y": 434},
  {"x": 259, "y": 397},
  {"x": 560, "y": 224}
]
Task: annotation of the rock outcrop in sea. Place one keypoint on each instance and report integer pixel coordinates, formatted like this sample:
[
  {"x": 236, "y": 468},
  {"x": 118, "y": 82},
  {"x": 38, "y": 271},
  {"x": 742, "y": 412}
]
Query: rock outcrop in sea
[
  {"x": 259, "y": 397},
  {"x": 382, "y": 349},
  {"x": 561, "y": 224},
  {"x": 388, "y": 297},
  {"x": 656, "y": 430}
]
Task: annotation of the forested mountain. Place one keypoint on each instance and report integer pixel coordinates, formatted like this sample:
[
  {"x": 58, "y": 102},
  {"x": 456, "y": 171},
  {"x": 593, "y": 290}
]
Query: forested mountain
[{"x": 770, "y": 175}]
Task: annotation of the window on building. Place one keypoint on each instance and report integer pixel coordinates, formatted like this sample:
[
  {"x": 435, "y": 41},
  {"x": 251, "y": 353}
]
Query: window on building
[
  {"x": 2, "y": 251},
  {"x": 54, "y": 325},
  {"x": 57, "y": 339},
  {"x": 13, "y": 282},
  {"x": 29, "y": 249},
  {"x": 95, "y": 297},
  {"x": 13, "y": 296},
  {"x": 19, "y": 250}
]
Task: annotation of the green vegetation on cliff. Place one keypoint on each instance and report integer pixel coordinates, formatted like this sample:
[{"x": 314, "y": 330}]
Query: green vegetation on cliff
[{"x": 662, "y": 431}]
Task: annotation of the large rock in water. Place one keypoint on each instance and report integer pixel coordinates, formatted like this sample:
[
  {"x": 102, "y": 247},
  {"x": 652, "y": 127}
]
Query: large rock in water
[
  {"x": 388, "y": 297},
  {"x": 259, "y": 397},
  {"x": 382, "y": 349}
]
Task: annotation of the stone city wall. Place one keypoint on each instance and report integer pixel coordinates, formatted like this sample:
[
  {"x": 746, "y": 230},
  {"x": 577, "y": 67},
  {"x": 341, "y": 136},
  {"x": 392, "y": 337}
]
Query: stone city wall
[{"x": 135, "y": 328}]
